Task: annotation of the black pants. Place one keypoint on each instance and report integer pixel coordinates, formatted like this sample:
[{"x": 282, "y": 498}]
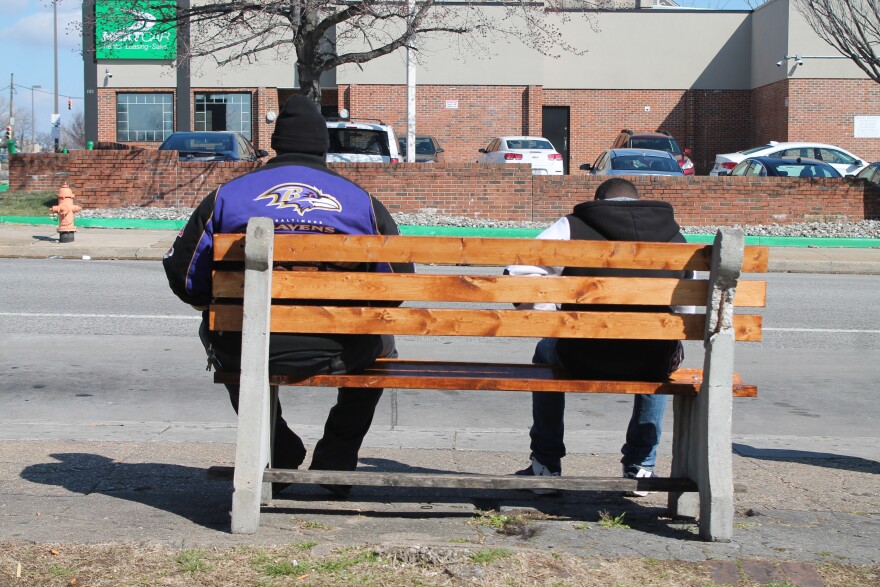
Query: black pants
[
  {"x": 348, "y": 421},
  {"x": 347, "y": 424}
]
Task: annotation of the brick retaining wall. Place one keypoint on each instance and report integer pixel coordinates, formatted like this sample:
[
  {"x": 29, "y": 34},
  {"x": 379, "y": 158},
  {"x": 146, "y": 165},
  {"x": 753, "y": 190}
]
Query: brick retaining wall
[{"x": 137, "y": 177}]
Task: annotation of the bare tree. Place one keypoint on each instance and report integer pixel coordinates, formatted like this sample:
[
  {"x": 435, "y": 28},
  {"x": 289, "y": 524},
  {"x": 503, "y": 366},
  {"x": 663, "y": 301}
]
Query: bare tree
[
  {"x": 850, "y": 26},
  {"x": 73, "y": 134},
  {"x": 325, "y": 34},
  {"x": 22, "y": 129}
]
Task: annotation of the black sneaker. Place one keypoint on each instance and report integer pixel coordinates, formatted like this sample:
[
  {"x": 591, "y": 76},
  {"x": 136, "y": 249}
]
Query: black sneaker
[
  {"x": 536, "y": 469},
  {"x": 637, "y": 472}
]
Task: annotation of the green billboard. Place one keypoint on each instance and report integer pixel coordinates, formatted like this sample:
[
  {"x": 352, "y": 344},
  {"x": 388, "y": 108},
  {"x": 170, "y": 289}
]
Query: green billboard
[{"x": 135, "y": 29}]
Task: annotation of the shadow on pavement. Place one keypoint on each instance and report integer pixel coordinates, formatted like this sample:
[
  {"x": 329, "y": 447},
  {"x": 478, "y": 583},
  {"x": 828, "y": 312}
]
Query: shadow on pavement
[
  {"x": 818, "y": 459},
  {"x": 177, "y": 489},
  {"x": 187, "y": 492}
]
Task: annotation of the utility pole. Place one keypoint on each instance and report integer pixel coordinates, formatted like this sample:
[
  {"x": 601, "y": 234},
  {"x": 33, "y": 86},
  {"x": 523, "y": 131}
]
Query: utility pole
[
  {"x": 410, "y": 90},
  {"x": 11, "y": 95},
  {"x": 55, "y": 46}
]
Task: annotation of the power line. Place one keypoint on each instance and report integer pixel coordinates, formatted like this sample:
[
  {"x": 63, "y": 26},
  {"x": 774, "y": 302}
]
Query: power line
[{"x": 44, "y": 91}]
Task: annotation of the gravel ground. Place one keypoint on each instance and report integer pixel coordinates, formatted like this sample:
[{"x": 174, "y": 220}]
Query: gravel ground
[{"x": 863, "y": 229}]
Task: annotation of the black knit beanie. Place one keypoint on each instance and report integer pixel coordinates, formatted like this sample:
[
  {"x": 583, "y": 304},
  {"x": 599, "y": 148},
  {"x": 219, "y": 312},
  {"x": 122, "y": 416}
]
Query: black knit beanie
[{"x": 300, "y": 128}]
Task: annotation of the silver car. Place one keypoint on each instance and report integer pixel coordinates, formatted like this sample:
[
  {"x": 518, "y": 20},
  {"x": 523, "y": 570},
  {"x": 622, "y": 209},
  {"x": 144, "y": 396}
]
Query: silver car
[{"x": 634, "y": 162}]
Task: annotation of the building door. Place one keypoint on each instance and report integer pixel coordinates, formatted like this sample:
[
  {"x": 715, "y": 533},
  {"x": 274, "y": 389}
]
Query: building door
[{"x": 554, "y": 127}]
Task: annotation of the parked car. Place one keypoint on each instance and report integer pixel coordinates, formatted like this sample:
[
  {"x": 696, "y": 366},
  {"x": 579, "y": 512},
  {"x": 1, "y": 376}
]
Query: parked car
[
  {"x": 784, "y": 167},
  {"x": 428, "y": 150},
  {"x": 870, "y": 173},
  {"x": 212, "y": 145},
  {"x": 843, "y": 161},
  {"x": 660, "y": 141},
  {"x": 634, "y": 162},
  {"x": 537, "y": 151},
  {"x": 354, "y": 141}
]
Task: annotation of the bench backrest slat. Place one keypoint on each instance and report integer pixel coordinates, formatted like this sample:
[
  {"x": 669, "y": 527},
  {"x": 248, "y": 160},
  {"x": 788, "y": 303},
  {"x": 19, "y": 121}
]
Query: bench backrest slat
[
  {"x": 487, "y": 251},
  {"x": 320, "y": 285},
  {"x": 304, "y": 300},
  {"x": 460, "y": 322}
]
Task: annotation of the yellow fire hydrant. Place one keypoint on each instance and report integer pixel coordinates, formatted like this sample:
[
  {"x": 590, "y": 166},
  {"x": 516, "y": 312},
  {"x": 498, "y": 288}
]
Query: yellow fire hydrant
[{"x": 65, "y": 210}]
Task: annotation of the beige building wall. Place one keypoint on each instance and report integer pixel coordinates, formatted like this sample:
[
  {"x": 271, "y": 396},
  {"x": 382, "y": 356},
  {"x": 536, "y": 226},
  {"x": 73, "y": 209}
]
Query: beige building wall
[
  {"x": 802, "y": 40},
  {"x": 655, "y": 49},
  {"x": 651, "y": 49},
  {"x": 633, "y": 49}
]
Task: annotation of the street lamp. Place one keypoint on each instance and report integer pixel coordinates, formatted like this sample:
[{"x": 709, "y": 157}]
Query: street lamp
[{"x": 33, "y": 117}]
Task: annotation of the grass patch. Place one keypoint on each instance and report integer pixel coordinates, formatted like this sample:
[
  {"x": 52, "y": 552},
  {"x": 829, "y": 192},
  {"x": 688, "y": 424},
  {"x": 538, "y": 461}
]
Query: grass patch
[
  {"x": 330, "y": 566},
  {"x": 607, "y": 520},
  {"x": 293, "y": 565},
  {"x": 192, "y": 561},
  {"x": 489, "y": 555},
  {"x": 57, "y": 570},
  {"x": 310, "y": 525},
  {"x": 18, "y": 203},
  {"x": 497, "y": 520}
]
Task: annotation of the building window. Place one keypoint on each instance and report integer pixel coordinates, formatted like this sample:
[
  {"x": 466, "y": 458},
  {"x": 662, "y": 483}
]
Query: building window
[
  {"x": 144, "y": 117},
  {"x": 223, "y": 112}
]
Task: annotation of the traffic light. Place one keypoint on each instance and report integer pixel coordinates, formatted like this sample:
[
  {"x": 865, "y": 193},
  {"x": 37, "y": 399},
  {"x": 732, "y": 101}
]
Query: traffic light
[{"x": 8, "y": 133}]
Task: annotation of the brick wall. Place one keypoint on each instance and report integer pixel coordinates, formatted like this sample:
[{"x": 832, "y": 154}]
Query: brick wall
[
  {"x": 769, "y": 110},
  {"x": 140, "y": 177},
  {"x": 707, "y": 121},
  {"x": 822, "y": 110}
]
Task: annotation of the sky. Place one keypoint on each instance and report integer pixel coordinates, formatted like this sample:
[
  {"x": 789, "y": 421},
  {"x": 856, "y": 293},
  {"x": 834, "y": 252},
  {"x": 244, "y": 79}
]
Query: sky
[{"x": 26, "y": 44}]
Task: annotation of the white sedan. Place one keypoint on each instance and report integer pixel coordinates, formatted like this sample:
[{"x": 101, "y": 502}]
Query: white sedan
[
  {"x": 537, "y": 151},
  {"x": 843, "y": 161}
]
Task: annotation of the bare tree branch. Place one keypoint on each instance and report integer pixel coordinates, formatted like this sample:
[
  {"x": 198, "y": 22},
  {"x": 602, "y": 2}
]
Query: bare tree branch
[
  {"x": 325, "y": 34},
  {"x": 850, "y": 26}
]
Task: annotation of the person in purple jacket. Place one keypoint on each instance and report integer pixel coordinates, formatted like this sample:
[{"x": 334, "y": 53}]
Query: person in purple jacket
[{"x": 302, "y": 195}]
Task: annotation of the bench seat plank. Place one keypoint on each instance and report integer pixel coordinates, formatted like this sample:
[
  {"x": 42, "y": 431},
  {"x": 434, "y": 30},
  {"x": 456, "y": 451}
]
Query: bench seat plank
[
  {"x": 465, "y": 480},
  {"x": 487, "y": 288},
  {"x": 488, "y": 251},
  {"x": 409, "y": 374},
  {"x": 460, "y": 322}
]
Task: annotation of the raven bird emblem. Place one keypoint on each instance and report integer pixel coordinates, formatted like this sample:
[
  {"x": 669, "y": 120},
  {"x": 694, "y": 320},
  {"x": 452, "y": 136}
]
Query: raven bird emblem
[{"x": 301, "y": 197}]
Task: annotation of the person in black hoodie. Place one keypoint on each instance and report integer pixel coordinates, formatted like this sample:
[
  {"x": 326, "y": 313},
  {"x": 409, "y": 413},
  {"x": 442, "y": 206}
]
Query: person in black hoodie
[
  {"x": 616, "y": 214},
  {"x": 301, "y": 195}
]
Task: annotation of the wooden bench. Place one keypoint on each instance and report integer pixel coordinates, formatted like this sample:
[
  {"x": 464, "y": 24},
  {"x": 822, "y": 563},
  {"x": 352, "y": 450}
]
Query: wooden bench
[{"x": 701, "y": 482}]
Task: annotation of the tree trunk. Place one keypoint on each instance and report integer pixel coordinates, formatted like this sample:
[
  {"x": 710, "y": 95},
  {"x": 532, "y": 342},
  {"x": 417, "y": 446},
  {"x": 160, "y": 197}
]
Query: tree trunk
[{"x": 309, "y": 83}]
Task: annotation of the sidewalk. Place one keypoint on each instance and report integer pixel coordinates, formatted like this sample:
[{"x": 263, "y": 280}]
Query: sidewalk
[
  {"x": 41, "y": 242},
  {"x": 814, "y": 509}
]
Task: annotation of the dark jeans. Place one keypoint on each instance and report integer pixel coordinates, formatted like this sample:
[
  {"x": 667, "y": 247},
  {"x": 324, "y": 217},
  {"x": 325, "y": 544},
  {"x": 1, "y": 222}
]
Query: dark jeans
[
  {"x": 347, "y": 423},
  {"x": 548, "y": 410}
]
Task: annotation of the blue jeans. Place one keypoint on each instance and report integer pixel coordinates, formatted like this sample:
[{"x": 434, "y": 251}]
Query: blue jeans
[{"x": 548, "y": 408}]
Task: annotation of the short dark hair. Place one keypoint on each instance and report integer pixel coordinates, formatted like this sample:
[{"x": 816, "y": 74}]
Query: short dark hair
[{"x": 616, "y": 188}]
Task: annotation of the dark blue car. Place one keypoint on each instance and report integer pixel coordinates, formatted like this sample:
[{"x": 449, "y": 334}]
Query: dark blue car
[
  {"x": 211, "y": 146},
  {"x": 784, "y": 167}
]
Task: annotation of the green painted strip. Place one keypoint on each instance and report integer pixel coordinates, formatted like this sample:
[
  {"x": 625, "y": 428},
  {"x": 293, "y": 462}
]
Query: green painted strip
[
  {"x": 796, "y": 241},
  {"x": 132, "y": 223},
  {"x": 460, "y": 231},
  {"x": 27, "y": 220}
]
